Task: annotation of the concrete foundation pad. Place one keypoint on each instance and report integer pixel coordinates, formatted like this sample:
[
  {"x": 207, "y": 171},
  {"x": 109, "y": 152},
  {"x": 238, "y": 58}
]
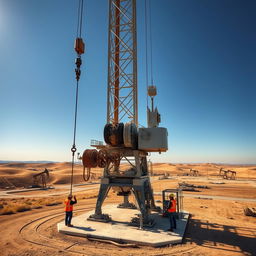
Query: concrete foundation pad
[{"x": 119, "y": 230}]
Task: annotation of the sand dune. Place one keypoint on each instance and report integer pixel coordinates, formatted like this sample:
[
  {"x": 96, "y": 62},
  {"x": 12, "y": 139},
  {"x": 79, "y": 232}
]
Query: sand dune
[{"x": 21, "y": 174}]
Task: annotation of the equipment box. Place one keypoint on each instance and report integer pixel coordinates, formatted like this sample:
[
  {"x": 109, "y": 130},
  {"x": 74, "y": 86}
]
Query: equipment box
[{"x": 153, "y": 139}]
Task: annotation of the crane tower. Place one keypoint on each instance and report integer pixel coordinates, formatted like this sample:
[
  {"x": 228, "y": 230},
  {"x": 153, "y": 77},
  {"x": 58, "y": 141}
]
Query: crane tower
[
  {"x": 122, "y": 62},
  {"x": 125, "y": 141}
]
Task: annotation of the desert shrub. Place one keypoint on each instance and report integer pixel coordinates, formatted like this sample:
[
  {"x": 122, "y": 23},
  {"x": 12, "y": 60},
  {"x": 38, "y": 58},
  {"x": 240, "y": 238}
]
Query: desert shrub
[
  {"x": 7, "y": 210},
  {"x": 23, "y": 208},
  {"x": 90, "y": 196},
  {"x": 40, "y": 201},
  {"x": 52, "y": 204},
  {"x": 37, "y": 207}
]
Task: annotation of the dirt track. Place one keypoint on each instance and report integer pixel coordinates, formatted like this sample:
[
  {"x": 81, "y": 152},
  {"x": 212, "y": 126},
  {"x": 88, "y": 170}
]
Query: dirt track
[{"x": 216, "y": 227}]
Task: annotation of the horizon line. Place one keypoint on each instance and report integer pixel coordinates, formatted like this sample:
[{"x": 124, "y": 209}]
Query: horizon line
[{"x": 192, "y": 163}]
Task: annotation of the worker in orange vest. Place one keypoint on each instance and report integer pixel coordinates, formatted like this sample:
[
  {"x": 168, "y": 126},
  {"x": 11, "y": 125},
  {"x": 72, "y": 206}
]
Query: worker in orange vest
[
  {"x": 171, "y": 212},
  {"x": 69, "y": 209}
]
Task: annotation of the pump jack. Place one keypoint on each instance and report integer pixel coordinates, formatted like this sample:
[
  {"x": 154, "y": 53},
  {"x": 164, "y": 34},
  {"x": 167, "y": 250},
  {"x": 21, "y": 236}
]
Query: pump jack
[{"x": 41, "y": 178}]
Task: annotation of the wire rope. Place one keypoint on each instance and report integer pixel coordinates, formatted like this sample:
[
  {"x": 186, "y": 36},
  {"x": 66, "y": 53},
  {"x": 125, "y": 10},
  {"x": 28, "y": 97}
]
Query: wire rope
[
  {"x": 78, "y": 17},
  {"x": 146, "y": 47},
  {"x": 73, "y": 149},
  {"x": 81, "y": 17},
  {"x": 151, "y": 43},
  {"x": 78, "y": 72}
]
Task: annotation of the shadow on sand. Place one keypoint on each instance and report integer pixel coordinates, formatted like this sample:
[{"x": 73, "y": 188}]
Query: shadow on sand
[
  {"x": 84, "y": 228},
  {"x": 211, "y": 234}
]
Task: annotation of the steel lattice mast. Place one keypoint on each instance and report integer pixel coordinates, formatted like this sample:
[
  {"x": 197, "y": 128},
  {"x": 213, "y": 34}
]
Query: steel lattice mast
[{"x": 122, "y": 62}]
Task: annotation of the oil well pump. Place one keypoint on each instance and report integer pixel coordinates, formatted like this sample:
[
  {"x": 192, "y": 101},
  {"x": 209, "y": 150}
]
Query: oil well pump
[
  {"x": 125, "y": 140},
  {"x": 41, "y": 178}
]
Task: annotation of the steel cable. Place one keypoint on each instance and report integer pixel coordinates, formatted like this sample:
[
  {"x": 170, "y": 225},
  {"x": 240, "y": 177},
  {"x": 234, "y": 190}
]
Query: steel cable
[
  {"x": 146, "y": 48},
  {"x": 150, "y": 43},
  {"x": 78, "y": 72}
]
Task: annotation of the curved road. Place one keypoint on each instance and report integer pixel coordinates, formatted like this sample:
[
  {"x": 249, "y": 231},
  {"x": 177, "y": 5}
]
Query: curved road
[{"x": 90, "y": 186}]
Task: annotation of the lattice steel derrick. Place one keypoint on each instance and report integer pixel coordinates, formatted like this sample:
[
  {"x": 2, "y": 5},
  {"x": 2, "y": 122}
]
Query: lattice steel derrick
[{"x": 122, "y": 62}]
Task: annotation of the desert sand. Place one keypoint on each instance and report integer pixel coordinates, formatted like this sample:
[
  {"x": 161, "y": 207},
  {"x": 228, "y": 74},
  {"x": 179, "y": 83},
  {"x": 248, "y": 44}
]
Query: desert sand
[{"x": 217, "y": 224}]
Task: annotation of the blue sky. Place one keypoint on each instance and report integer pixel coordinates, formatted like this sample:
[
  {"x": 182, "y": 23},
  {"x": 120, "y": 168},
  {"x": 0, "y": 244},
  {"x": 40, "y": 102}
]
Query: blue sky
[{"x": 204, "y": 65}]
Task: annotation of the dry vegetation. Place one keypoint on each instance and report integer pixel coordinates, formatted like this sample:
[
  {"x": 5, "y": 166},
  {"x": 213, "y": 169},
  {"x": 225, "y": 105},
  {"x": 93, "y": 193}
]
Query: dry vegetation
[{"x": 11, "y": 206}]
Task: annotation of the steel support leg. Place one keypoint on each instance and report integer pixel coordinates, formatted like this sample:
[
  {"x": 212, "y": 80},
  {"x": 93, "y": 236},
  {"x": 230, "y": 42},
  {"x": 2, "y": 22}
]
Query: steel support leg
[
  {"x": 126, "y": 204},
  {"x": 98, "y": 216},
  {"x": 103, "y": 192},
  {"x": 139, "y": 193}
]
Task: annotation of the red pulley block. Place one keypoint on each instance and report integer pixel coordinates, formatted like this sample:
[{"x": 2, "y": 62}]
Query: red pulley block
[{"x": 79, "y": 46}]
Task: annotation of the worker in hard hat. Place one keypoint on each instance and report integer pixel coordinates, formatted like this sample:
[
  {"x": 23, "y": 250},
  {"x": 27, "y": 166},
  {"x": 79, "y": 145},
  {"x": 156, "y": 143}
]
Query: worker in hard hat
[
  {"x": 171, "y": 210},
  {"x": 69, "y": 209}
]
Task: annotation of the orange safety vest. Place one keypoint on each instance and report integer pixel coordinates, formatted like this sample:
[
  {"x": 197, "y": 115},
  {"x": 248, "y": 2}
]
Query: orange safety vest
[
  {"x": 173, "y": 206},
  {"x": 68, "y": 206}
]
